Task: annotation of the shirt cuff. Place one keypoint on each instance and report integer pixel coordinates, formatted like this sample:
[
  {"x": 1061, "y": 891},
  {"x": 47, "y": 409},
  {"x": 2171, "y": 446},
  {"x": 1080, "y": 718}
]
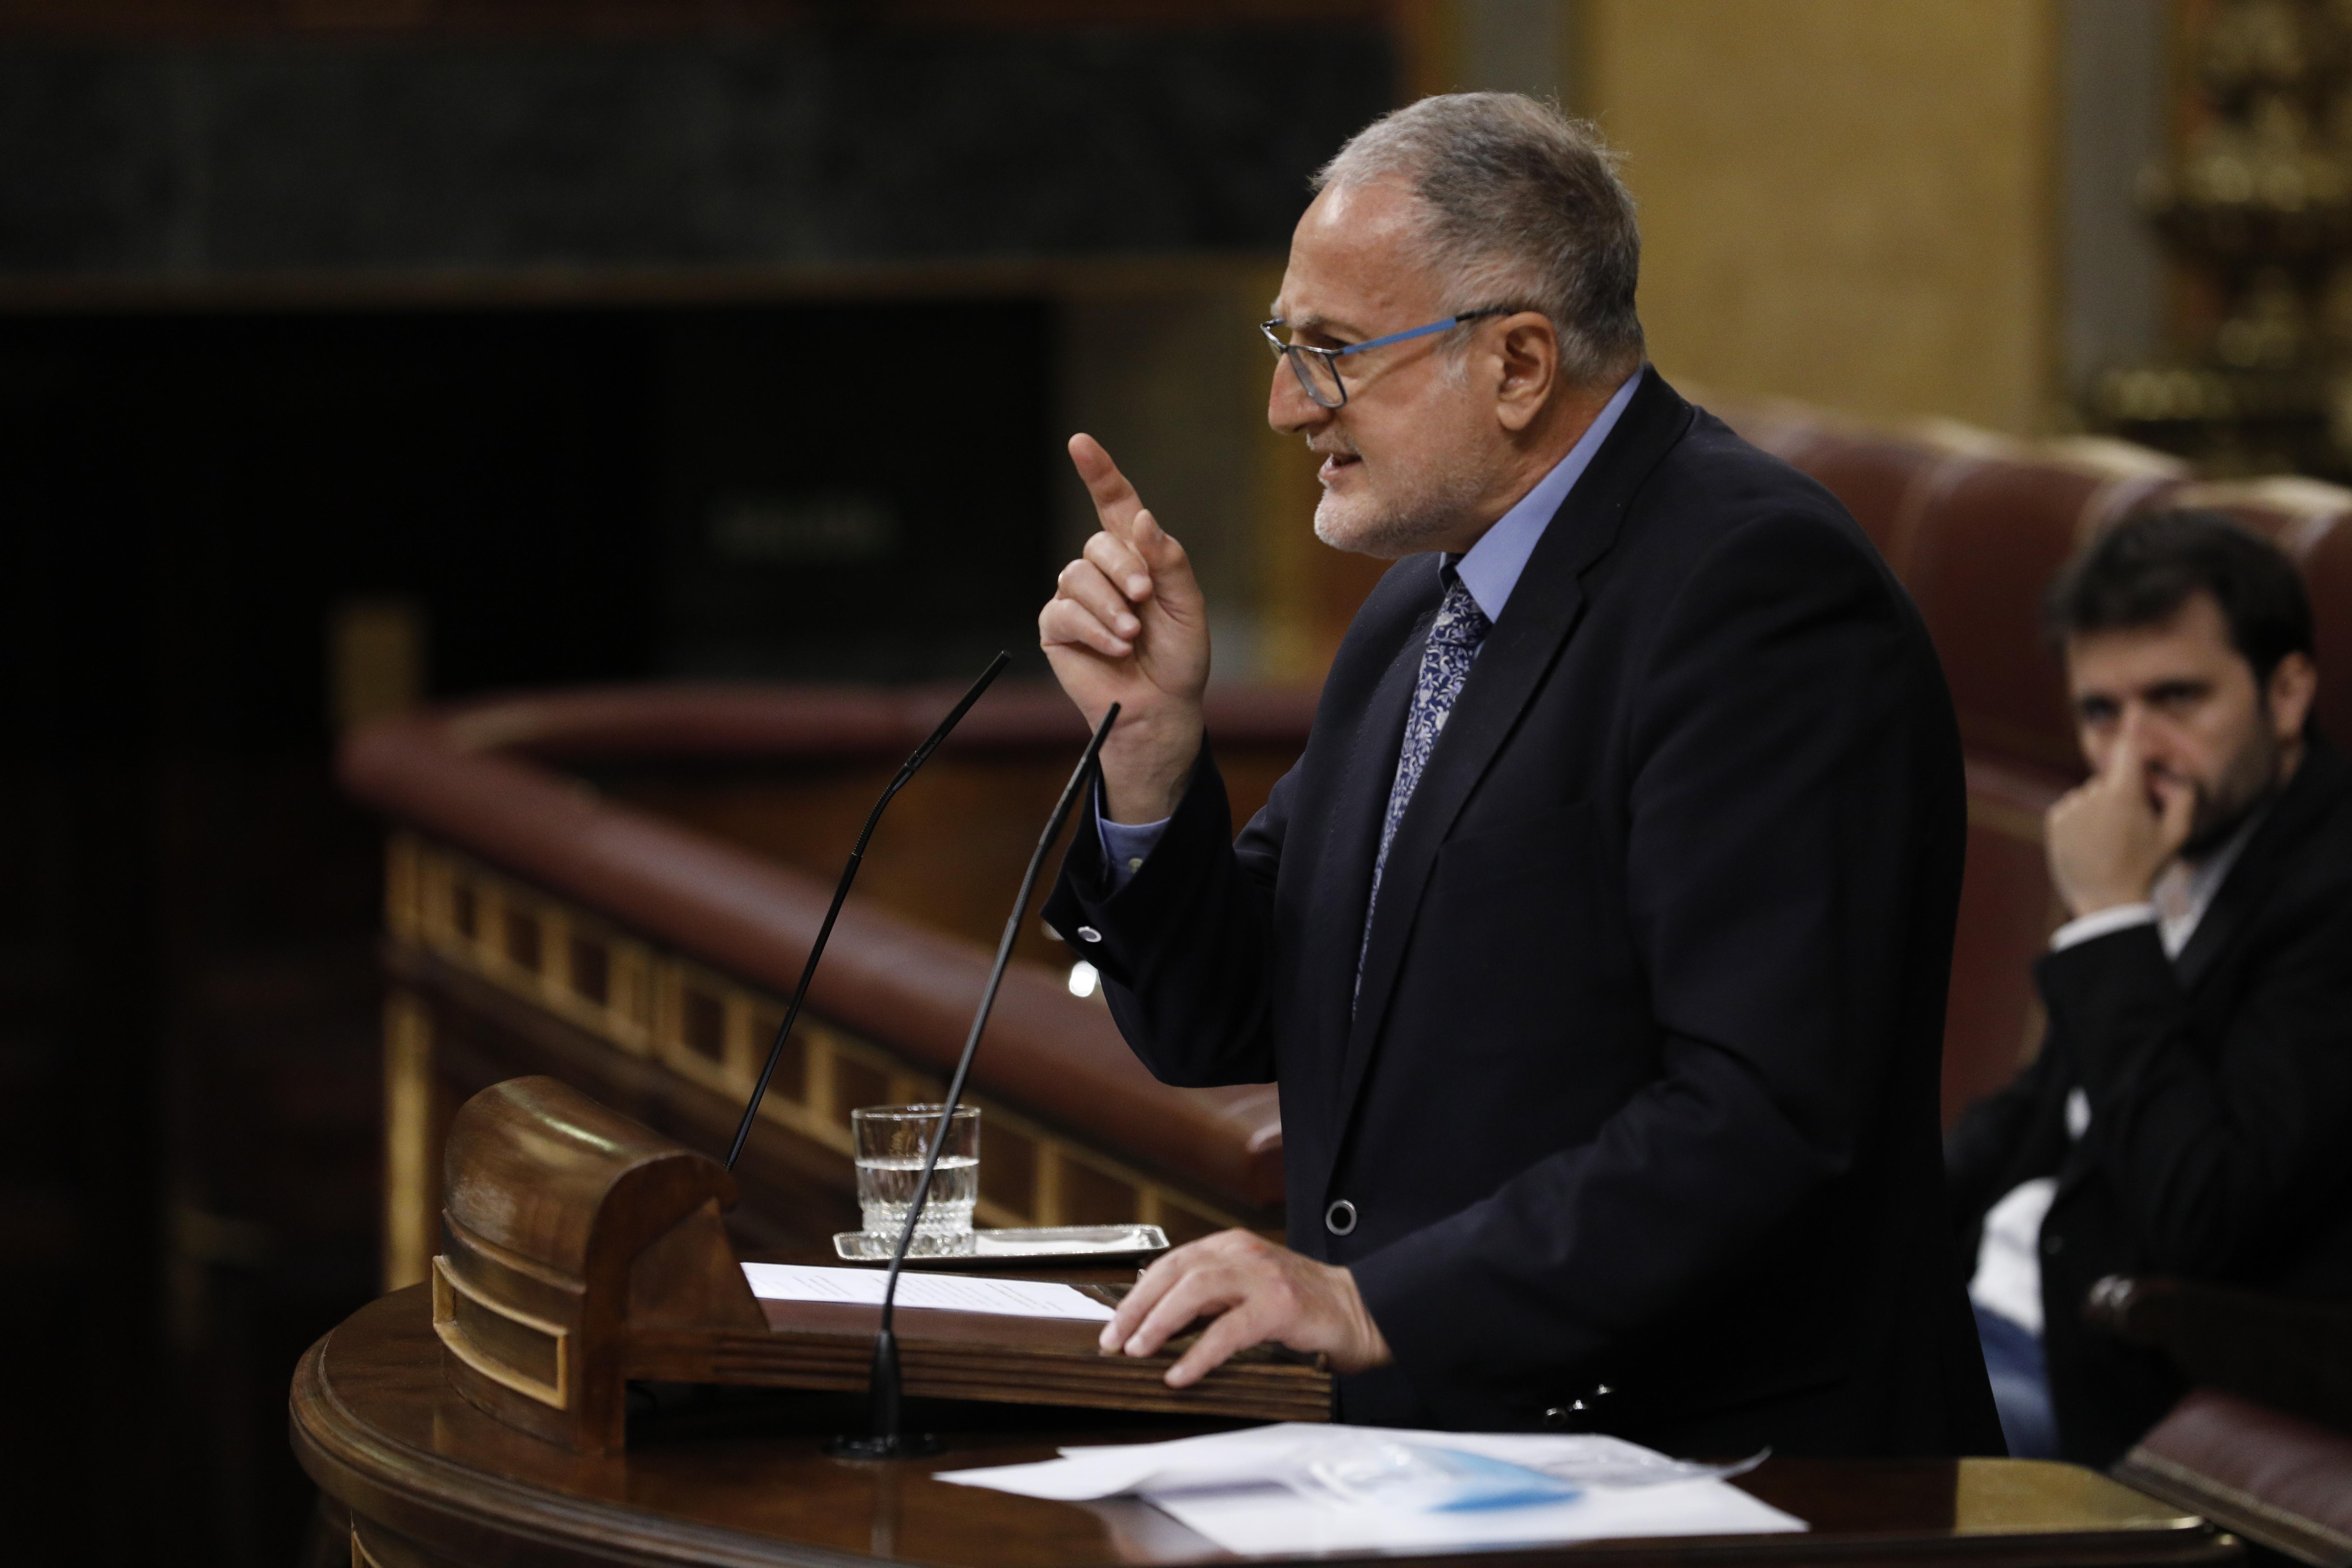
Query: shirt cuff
[
  {"x": 1126, "y": 845},
  {"x": 2102, "y": 922}
]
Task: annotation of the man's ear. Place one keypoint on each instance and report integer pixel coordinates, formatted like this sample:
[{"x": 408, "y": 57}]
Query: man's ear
[
  {"x": 1527, "y": 369},
  {"x": 2293, "y": 683}
]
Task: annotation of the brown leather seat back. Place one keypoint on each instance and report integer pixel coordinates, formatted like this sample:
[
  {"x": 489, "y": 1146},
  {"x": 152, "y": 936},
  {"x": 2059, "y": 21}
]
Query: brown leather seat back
[
  {"x": 1992, "y": 1018},
  {"x": 1878, "y": 476},
  {"x": 1976, "y": 526},
  {"x": 1993, "y": 525},
  {"x": 1992, "y": 532}
]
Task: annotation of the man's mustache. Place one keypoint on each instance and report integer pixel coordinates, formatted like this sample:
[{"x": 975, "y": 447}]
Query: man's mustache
[{"x": 2158, "y": 776}]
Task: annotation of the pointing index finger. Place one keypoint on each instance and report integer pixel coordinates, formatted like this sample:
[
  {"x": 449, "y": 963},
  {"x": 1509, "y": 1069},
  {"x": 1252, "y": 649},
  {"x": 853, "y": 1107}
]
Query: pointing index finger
[
  {"x": 2123, "y": 764},
  {"x": 1116, "y": 502},
  {"x": 1139, "y": 1302}
]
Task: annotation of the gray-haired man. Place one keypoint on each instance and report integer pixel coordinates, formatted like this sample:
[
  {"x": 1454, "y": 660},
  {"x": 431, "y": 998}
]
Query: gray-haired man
[{"x": 1598, "y": 940}]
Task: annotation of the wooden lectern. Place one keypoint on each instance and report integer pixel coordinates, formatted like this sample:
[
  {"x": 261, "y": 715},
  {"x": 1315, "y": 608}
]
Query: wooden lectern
[{"x": 581, "y": 1249}]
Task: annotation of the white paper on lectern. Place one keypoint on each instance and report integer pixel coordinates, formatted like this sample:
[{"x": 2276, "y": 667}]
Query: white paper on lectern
[
  {"x": 941, "y": 1292},
  {"x": 1267, "y": 1519},
  {"x": 1225, "y": 1486}
]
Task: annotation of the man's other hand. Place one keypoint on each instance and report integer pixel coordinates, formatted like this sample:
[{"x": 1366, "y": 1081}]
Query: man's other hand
[
  {"x": 1126, "y": 624},
  {"x": 1256, "y": 1292},
  {"x": 2109, "y": 837}
]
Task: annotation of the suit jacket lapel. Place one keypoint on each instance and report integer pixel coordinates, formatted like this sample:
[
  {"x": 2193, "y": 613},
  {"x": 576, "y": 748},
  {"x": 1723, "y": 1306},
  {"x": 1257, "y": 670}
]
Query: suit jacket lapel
[
  {"x": 1351, "y": 837},
  {"x": 1543, "y": 610},
  {"x": 2308, "y": 796}
]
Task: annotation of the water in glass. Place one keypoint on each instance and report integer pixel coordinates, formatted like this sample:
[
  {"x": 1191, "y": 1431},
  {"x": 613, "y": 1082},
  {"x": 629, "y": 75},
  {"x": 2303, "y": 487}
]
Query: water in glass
[{"x": 891, "y": 1142}]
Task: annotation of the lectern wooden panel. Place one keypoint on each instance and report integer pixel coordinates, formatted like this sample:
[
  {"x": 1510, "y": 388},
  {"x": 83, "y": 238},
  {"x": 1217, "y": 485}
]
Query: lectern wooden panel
[
  {"x": 567, "y": 1230},
  {"x": 582, "y": 1249}
]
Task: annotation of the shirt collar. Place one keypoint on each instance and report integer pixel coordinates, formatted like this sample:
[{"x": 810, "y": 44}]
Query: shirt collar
[
  {"x": 2185, "y": 889},
  {"x": 1490, "y": 569}
]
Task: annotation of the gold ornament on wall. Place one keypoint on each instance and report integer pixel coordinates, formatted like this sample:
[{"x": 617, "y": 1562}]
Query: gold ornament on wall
[{"x": 2254, "y": 207}]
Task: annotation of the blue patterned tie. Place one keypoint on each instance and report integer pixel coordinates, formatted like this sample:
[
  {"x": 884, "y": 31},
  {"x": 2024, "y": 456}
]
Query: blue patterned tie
[{"x": 1454, "y": 638}]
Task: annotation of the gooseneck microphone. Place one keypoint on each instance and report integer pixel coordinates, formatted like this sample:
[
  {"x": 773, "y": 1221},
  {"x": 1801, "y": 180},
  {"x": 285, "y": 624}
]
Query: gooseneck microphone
[
  {"x": 885, "y": 1439},
  {"x": 849, "y": 874}
]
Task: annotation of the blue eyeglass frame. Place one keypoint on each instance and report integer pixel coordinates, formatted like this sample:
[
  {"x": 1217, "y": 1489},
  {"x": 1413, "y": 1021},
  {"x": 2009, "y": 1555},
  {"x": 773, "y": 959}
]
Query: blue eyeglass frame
[{"x": 1331, "y": 357}]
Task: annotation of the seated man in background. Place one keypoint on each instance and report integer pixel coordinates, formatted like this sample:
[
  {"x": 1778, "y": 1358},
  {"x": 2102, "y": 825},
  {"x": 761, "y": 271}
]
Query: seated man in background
[{"x": 2190, "y": 1111}]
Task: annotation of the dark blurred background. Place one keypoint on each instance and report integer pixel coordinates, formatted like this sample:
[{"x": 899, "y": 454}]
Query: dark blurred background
[{"x": 353, "y": 354}]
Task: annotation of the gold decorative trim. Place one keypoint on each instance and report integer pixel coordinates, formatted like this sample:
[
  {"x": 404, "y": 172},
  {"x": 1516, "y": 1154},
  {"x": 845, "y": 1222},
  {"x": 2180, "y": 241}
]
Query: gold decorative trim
[
  {"x": 411, "y": 1198},
  {"x": 447, "y": 1287},
  {"x": 649, "y": 999}
]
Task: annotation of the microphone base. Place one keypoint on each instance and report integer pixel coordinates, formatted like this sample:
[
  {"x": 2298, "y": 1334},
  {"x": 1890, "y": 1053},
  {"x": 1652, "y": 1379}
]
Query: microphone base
[
  {"x": 896, "y": 1446},
  {"x": 884, "y": 1438}
]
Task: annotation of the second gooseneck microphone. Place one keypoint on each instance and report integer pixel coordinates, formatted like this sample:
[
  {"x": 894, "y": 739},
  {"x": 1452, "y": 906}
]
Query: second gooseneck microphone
[
  {"x": 922, "y": 754},
  {"x": 885, "y": 1437}
]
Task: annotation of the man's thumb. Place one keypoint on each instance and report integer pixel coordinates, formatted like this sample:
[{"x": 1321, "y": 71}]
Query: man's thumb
[{"x": 1158, "y": 548}]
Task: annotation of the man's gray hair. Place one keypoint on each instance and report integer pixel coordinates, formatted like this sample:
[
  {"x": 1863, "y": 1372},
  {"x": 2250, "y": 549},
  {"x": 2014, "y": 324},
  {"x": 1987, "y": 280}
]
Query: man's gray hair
[{"x": 1524, "y": 208}]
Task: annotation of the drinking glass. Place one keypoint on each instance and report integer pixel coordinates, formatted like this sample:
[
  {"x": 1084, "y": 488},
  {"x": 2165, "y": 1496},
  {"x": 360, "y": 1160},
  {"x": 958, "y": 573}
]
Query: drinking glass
[{"x": 890, "y": 1144}]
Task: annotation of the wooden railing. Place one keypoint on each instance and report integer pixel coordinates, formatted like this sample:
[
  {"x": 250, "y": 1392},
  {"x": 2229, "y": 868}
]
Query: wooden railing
[{"x": 535, "y": 923}]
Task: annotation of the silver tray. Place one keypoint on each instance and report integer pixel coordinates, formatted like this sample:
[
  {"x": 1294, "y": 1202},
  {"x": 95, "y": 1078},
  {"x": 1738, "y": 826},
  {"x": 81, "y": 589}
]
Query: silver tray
[{"x": 1073, "y": 1244}]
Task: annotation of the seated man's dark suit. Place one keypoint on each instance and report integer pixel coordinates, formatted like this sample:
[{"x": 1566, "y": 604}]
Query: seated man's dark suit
[
  {"x": 2220, "y": 1143},
  {"x": 1639, "y": 1087}
]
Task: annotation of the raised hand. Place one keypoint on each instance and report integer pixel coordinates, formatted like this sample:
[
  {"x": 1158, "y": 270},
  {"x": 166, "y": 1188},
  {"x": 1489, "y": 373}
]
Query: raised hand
[
  {"x": 1126, "y": 624},
  {"x": 2109, "y": 837}
]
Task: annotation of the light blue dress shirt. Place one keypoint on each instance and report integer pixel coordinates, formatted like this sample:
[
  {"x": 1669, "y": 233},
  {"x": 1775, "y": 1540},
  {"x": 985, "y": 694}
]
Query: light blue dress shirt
[{"x": 1490, "y": 569}]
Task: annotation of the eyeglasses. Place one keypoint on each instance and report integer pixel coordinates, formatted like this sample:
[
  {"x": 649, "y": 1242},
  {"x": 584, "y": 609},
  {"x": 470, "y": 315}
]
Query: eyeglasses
[{"x": 1318, "y": 370}]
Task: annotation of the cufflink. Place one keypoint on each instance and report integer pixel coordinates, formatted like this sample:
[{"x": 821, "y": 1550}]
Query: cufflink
[
  {"x": 1576, "y": 1412},
  {"x": 1088, "y": 933}
]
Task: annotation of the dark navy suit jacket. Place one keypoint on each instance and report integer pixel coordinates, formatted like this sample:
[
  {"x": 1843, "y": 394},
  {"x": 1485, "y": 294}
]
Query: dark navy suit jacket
[{"x": 1640, "y": 1090}]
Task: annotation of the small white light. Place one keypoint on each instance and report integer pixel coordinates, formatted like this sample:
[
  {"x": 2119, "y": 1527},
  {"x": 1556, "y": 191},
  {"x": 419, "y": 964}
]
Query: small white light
[{"x": 1082, "y": 978}]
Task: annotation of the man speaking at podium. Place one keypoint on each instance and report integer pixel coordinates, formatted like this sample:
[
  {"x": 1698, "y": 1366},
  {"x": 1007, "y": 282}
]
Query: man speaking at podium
[{"x": 1598, "y": 940}]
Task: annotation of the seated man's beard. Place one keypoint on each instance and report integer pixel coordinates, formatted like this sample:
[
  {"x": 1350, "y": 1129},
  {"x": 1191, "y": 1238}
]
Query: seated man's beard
[
  {"x": 2242, "y": 788},
  {"x": 1420, "y": 512}
]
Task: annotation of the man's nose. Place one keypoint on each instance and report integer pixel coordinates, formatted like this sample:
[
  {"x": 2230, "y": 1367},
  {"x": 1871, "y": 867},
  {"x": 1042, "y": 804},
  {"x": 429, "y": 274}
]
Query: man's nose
[
  {"x": 1288, "y": 408},
  {"x": 2148, "y": 730}
]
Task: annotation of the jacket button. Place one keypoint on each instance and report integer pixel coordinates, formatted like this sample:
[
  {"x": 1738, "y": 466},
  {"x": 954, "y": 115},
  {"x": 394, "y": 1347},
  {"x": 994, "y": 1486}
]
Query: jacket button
[
  {"x": 1340, "y": 1218},
  {"x": 2054, "y": 1244},
  {"x": 1556, "y": 1419},
  {"x": 1088, "y": 933}
]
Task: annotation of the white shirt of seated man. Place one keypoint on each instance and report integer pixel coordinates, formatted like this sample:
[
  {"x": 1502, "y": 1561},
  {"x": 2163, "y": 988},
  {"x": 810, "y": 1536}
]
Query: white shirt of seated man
[{"x": 2186, "y": 750}]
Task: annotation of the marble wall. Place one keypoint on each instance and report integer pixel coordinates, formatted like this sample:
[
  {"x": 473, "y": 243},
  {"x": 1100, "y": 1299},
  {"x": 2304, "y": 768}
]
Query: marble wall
[
  {"x": 1850, "y": 202},
  {"x": 1892, "y": 206}
]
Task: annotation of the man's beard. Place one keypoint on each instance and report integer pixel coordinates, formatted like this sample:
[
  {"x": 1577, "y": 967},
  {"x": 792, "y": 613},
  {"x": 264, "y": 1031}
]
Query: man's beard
[
  {"x": 2241, "y": 791},
  {"x": 1417, "y": 515}
]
